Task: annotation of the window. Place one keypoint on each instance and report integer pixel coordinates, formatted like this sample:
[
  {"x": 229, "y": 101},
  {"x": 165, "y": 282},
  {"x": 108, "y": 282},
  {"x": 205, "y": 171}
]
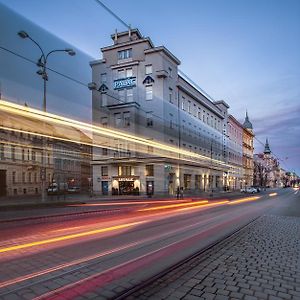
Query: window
[
  {"x": 149, "y": 119},
  {"x": 149, "y": 92},
  {"x": 33, "y": 155},
  {"x": 104, "y": 99},
  {"x": 187, "y": 181},
  {"x": 189, "y": 107},
  {"x": 125, "y": 171},
  {"x": 103, "y": 78},
  {"x": 126, "y": 118},
  {"x": 104, "y": 151},
  {"x": 149, "y": 170},
  {"x": 125, "y": 54},
  {"x": 148, "y": 69},
  {"x": 13, "y": 152},
  {"x": 29, "y": 177},
  {"x": 118, "y": 120},
  {"x": 14, "y": 177},
  {"x": 35, "y": 177},
  {"x": 23, "y": 177},
  {"x": 183, "y": 103},
  {"x": 104, "y": 171},
  {"x": 170, "y": 95},
  {"x": 23, "y": 154},
  {"x": 170, "y": 73},
  {"x": 199, "y": 113},
  {"x": 195, "y": 110},
  {"x": 104, "y": 121},
  {"x": 1, "y": 151},
  {"x": 129, "y": 72},
  {"x": 121, "y": 95},
  {"x": 171, "y": 121},
  {"x": 129, "y": 95},
  {"x": 121, "y": 74}
]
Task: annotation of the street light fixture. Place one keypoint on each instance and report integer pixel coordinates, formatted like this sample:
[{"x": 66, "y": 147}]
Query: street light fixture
[{"x": 42, "y": 64}]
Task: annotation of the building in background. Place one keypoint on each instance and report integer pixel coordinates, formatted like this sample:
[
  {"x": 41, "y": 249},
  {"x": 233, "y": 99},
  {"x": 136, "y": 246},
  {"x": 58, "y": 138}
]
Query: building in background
[
  {"x": 267, "y": 172},
  {"x": 235, "y": 153},
  {"x": 248, "y": 150},
  {"x": 137, "y": 89}
]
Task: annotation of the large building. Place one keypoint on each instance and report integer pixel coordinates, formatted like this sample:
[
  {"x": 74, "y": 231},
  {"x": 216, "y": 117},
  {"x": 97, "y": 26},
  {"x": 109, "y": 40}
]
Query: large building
[
  {"x": 137, "y": 89},
  {"x": 235, "y": 153},
  {"x": 248, "y": 151}
]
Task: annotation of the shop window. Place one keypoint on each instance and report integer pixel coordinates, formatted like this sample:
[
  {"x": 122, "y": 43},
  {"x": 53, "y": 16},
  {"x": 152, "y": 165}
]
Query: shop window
[{"x": 149, "y": 170}]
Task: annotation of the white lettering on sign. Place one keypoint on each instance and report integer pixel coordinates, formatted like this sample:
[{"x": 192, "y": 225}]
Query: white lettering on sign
[{"x": 124, "y": 83}]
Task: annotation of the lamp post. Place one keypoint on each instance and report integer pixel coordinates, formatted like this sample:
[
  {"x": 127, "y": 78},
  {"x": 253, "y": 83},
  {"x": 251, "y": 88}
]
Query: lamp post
[{"x": 42, "y": 64}]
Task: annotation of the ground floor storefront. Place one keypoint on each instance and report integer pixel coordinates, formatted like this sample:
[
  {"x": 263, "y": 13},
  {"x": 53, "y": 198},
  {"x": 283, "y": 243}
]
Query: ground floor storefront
[{"x": 136, "y": 178}]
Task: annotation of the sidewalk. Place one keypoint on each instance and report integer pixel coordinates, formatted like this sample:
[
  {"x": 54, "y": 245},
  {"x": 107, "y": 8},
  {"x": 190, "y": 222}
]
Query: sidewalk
[
  {"x": 86, "y": 198},
  {"x": 260, "y": 262}
]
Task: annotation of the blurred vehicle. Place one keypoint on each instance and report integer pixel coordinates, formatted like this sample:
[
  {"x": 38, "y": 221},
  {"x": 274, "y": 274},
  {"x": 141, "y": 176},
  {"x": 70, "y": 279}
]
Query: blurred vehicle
[
  {"x": 258, "y": 188},
  {"x": 57, "y": 188},
  {"x": 251, "y": 190},
  {"x": 74, "y": 190},
  {"x": 243, "y": 190}
]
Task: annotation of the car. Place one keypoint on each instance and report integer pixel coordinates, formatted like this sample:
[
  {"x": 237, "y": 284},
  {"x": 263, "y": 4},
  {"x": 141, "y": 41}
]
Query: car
[
  {"x": 251, "y": 190},
  {"x": 258, "y": 188},
  {"x": 243, "y": 190},
  {"x": 73, "y": 189}
]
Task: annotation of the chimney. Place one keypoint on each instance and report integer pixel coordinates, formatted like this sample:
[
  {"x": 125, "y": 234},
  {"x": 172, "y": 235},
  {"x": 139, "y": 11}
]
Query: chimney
[{"x": 116, "y": 36}]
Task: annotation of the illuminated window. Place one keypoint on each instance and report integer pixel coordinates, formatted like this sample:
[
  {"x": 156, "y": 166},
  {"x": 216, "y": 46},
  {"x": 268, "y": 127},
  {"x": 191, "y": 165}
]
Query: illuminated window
[
  {"x": 149, "y": 92},
  {"x": 148, "y": 69},
  {"x": 125, "y": 171}
]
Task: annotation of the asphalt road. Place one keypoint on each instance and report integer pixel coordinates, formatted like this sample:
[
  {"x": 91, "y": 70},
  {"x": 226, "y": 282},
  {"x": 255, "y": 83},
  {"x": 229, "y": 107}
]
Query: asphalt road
[{"x": 101, "y": 255}]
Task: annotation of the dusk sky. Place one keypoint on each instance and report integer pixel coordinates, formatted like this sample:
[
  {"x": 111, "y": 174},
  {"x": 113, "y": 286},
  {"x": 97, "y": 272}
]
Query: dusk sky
[{"x": 245, "y": 52}]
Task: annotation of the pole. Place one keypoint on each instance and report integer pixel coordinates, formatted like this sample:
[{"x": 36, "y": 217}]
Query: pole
[{"x": 44, "y": 152}]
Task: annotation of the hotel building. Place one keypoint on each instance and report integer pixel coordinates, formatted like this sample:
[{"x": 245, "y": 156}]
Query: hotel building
[{"x": 138, "y": 90}]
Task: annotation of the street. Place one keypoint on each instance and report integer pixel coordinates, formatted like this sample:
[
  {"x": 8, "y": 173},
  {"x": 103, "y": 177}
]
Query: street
[{"x": 102, "y": 255}]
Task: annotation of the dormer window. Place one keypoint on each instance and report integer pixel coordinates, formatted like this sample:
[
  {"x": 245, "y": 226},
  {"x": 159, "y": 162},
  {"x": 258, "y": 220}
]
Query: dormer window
[{"x": 125, "y": 54}]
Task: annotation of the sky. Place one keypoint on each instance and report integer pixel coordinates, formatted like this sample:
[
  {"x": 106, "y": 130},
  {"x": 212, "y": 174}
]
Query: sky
[{"x": 244, "y": 52}]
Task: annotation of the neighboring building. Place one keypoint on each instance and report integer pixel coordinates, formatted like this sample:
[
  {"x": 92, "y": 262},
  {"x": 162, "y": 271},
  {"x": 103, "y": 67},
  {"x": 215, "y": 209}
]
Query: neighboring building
[
  {"x": 139, "y": 91},
  {"x": 267, "y": 172},
  {"x": 248, "y": 149},
  {"x": 20, "y": 163},
  {"x": 235, "y": 153}
]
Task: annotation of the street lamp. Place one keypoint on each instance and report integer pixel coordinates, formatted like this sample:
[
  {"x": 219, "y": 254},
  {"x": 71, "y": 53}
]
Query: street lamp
[{"x": 42, "y": 64}]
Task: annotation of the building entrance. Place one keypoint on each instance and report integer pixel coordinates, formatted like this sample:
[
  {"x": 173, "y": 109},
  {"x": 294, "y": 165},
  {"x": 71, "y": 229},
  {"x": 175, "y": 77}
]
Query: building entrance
[
  {"x": 2, "y": 183},
  {"x": 126, "y": 188}
]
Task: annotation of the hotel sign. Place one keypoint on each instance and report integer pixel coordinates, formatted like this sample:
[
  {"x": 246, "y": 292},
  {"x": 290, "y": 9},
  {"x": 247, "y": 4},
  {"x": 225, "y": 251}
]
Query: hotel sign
[{"x": 124, "y": 83}]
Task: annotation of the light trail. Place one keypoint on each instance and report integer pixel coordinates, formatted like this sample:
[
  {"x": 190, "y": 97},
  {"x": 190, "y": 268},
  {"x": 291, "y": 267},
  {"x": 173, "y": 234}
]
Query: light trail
[
  {"x": 244, "y": 200},
  {"x": 68, "y": 237},
  {"x": 173, "y": 206},
  {"x": 206, "y": 205},
  {"x": 35, "y": 114},
  {"x": 272, "y": 194}
]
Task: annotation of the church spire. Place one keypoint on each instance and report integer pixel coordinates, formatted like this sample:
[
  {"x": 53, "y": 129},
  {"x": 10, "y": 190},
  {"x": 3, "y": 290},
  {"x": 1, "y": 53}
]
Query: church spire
[
  {"x": 247, "y": 124},
  {"x": 267, "y": 147}
]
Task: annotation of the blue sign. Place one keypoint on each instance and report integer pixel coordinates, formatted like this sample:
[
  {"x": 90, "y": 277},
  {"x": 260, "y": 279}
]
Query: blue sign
[{"x": 124, "y": 83}]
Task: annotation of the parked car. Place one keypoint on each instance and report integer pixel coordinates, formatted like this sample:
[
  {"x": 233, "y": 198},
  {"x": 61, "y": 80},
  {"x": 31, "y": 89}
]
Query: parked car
[
  {"x": 251, "y": 190},
  {"x": 243, "y": 190},
  {"x": 258, "y": 188},
  {"x": 57, "y": 188},
  {"x": 74, "y": 190}
]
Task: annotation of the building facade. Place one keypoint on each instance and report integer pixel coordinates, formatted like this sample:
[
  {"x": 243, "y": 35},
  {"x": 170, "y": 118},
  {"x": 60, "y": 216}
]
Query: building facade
[
  {"x": 235, "y": 153},
  {"x": 137, "y": 90},
  {"x": 248, "y": 151}
]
